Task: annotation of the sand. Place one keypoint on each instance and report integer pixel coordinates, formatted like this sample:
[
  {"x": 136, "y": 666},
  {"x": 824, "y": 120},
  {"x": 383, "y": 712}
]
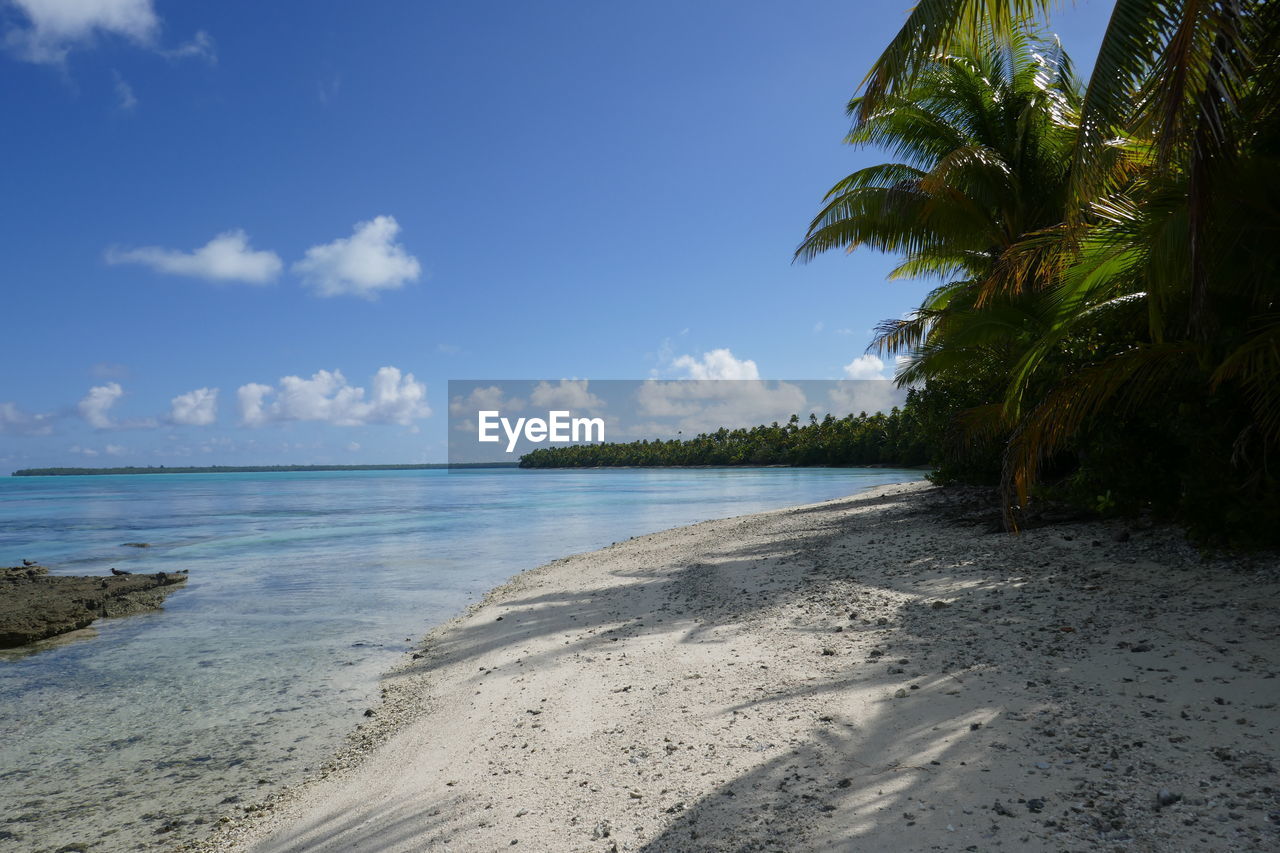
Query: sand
[{"x": 873, "y": 673}]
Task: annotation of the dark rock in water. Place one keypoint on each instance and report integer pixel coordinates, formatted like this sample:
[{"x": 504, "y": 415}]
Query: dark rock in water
[
  {"x": 35, "y": 605},
  {"x": 136, "y": 545}
]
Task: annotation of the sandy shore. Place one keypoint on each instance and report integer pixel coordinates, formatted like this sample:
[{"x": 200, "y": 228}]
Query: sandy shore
[{"x": 863, "y": 674}]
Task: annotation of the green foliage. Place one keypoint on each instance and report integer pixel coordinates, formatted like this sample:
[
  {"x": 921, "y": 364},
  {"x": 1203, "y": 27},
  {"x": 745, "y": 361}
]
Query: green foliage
[
  {"x": 896, "y": 438},
  {"x": 1108, "y": 327}
]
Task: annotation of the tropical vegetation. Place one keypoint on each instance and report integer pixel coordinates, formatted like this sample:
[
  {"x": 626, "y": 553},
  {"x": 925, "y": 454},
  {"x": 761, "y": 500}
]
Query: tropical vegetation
[
  {"x": 1106, "y": 327},
  {"x": 893, "y": 438}
]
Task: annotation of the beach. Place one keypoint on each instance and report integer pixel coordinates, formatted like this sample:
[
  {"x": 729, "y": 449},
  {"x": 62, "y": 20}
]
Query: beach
[{"x": 880, "y": 672}]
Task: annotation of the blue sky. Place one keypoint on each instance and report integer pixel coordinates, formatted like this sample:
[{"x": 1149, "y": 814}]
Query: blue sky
[{"x": 376, "y": 198}]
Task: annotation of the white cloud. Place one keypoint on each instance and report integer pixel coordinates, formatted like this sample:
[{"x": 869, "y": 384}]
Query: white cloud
[
  {"x": 226, "y": 257},
  {"x": 96, "y": 408},
  {"x": 363, "y": 264},
  {"x": 96, "y": 405},
  {"x": 717, "y": 364},
  {"x": 252, "y": 408},
  {"x": 865, "y": 367},
  {"x": 195, "y": 408},
  {"x": 490, "y": 398},
  {"x": 124, "y": 94},
  {"x": 55, "y": 26},
  {"x": 200, "y": 47},
  {"x": 849, "y": 397},
  {"x": 353, "y": 446},
  {"x": 15, "y": 421},
  {"x": 570, "y": 394},
  {"x": 114, "y": 450},
  {"x": 82, "y": 451},
  {"x": 395, "y": 398},
  {"x": 703, "y": 405}
]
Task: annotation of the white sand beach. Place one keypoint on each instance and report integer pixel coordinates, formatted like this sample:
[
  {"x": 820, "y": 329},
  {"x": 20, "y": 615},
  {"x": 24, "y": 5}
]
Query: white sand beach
[{"x": 871, "y": 673}]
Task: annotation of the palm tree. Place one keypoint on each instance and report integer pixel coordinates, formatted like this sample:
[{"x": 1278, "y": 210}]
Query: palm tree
[
  {"x": 984, "y": 138},
  {"x": 1107, "y": 256}
]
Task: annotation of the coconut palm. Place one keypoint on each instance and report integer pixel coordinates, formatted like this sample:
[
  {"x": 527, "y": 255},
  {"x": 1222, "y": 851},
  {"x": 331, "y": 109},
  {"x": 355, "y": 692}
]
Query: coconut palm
[
  {"x": 1118, "y": 263},
  {"x": 984, "y": 139}
]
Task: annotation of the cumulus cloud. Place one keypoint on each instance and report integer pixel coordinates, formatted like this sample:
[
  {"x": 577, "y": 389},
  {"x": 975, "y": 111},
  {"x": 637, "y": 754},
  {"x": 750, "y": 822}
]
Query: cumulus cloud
[
  {"x": 394, "y": 398},
  {"x": 226, "y": 257},
  {"x": 56, "y": 26},
  {"x": 717, "y": 364},
  {"x": 96, "y": 406},
  {"x": 367, "y": 262},
  {"x": 702, "y": 405},
  {"x": 195, "y": 408},
  {"x": 570, "y": 394},
  {"x": 14, "y": 421},
  {"x": 52, "y": 28},
  {"x": 489, "y": 398},
  {"x": 851, "y": 396},
  {"x": 865, "y": 367}
]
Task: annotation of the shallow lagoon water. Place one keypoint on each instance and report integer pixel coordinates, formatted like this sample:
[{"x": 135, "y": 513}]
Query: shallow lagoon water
[{"x": 139, "y": 732}]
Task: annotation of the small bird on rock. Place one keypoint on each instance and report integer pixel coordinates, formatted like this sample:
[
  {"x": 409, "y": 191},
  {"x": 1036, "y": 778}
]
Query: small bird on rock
[
  {"x": 119, "y": 573},
  {"x": 28, "y": 563}
]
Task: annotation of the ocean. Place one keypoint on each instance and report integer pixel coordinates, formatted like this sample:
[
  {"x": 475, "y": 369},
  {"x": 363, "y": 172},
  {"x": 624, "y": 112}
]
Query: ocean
[{"x": 139, "y": 732}]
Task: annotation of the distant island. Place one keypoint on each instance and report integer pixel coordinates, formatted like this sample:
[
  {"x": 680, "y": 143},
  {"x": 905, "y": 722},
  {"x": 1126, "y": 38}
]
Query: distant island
[
  {"x": 893, "y": 439},
  {"x": 250, "y": 469}
]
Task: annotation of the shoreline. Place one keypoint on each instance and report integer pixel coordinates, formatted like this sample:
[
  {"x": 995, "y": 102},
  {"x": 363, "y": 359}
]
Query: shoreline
[{"x": 862, "y": 671}]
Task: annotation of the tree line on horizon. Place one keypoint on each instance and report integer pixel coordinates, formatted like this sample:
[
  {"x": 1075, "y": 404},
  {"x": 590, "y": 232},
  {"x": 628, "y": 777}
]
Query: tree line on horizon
[
  {"x": 1106, "y": 325},
  {"x": 893, "y": 438}
]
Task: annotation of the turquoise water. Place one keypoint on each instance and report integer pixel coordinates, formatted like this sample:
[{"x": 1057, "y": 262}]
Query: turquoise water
[{"x": 304, "y": 587}]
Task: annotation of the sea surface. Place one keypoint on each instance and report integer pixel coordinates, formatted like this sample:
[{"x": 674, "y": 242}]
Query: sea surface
[{"x": 139, "y": 732}]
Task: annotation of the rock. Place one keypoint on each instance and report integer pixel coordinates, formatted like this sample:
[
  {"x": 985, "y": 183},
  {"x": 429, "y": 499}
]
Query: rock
[
  {"x": 938, "y": 605},
  {"x": 900, "y": 693},
  {"x": 136, "y": 545},
  {"x": 1035, "y": 806},
  {"x": 603, "y": 829},
  {"x": 1000, "y": 809},
  {"x": 828, "y": 651},
  {"x": 1165, "y": 798},
  {"x": 1121, "y": 536},
  {"x": 35, "y": 606}
]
